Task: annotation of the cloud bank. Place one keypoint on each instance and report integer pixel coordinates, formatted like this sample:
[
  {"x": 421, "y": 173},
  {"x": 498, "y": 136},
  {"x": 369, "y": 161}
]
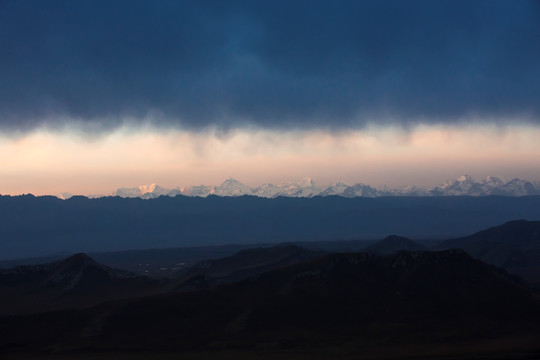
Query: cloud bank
[{"x": 268, "y": 64}]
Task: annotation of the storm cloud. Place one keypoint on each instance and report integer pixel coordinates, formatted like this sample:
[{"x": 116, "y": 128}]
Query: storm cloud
[{"x": 270, "y": 64}]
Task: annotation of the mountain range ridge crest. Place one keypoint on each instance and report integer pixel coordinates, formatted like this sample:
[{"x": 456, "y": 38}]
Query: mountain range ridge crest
[{"x": 464, "y": 185}]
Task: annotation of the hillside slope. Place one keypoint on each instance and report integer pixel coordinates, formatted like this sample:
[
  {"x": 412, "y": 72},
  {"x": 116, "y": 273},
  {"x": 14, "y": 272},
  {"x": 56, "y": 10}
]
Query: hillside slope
[
  {"x": 514, "y": 246},
  {"x": 74, "y": 282},
  {"x": 355, "y": 301}
]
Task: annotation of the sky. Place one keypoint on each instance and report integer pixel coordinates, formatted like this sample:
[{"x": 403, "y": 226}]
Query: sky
[{"x": 96, "y": 95}]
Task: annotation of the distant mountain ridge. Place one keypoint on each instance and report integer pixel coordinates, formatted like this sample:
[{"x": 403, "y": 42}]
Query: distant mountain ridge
[
  {"x": 393, "y": 243},
  {"x": 38, "y": 226},
  {"x": 464, "y": 185}
]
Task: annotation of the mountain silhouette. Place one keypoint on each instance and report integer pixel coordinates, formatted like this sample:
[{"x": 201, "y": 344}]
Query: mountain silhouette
[
  {"x": 514, "y": 246},
  {"x": 394, "y": 243},
  {"x": 38, "y": 226},
  {"x": 244, "y": 264},
  {"x": 74, "y": 282},
  {"x": 356, "y": 301}
]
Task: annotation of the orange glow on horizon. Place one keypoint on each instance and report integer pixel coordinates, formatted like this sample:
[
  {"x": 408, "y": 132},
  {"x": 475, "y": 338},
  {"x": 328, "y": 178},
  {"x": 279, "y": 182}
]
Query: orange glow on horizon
[{"x": 53, "y": 162}]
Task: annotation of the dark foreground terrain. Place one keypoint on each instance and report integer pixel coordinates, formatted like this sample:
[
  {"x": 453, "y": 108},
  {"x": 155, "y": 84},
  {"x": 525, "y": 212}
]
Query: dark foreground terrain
[
  {"x": 339, "y": 305},
  {"x": 514, "y": 246},
  {"x": 396, "y": 300}
]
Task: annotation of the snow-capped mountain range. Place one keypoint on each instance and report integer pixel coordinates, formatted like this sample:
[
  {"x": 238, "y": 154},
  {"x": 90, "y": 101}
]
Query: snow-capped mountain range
[{"x": 462, "y": 186}]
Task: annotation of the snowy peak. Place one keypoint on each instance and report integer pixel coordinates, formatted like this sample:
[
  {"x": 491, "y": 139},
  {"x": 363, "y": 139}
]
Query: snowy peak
[
  {"x": 467, "y": 179},
  {"x": 410, "y": 190},
  {"x": 267, "y": 190},
  {"x": 199, "y": 191},
  {"x": 144, "y": 189},
  {"x": 458, "y": 186},
  {"x": 493, "y": 181},
  {"x": 304, "y": 188},
  {"x": 520, "y": 187},
  {"x": 306, "y": 182},
  {"x": 337, "y": 188},
  {"x": 464, "y": 185},
  {"x": 151, "y": 191},
  {"x": 362, "y": 190},
  {"x": 232, "y": 187}
]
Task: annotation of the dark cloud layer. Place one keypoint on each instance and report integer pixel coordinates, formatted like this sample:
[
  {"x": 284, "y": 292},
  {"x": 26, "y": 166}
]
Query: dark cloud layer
[{"x": 268, "y": 63}]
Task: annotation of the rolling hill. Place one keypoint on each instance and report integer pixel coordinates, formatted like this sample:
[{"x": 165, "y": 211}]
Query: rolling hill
[
  {"x": 394, "y": 243},
  {"x": 514, "y": 246},
  {"x": 74, "y": 282},
  {"x": 346, "y": 305}
]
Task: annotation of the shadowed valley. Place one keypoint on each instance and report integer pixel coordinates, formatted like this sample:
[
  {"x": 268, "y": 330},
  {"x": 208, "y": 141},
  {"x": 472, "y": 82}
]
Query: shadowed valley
[{"x": 285, "y": 301}]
